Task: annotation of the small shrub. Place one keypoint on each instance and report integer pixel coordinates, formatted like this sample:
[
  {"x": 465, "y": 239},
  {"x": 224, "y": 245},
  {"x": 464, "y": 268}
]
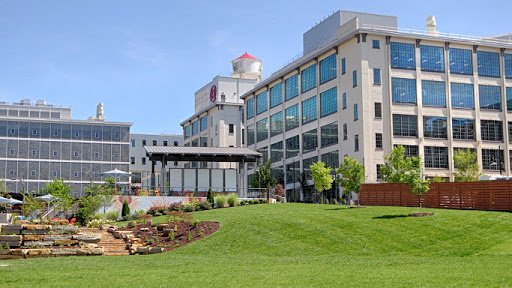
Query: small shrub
[
  {"x": 176, "y": 206},
  {"x": 242, "y": 203},
  {"x": 209, "y": 197},
  {"x": 205, "y": 205},
  {"x": 196, "y": 222},
  {"x": 126, "y": 209},
  {"x": 232, "y": 200},
  {"x": 83, "y": 216},
  {"x": 200, "y": 233},
  {"x": 98, "y": 215},
  {"x": 220, "y": 201},
  {"x": 95, "y": 223},
  {"x": 188, "y": 207},
  {"x": 171, "y": 235},
  {"x": 189, "y": 237},
  {"x": 326, "y": 201},
  {"x": 157, "y": 214},
  {"x": 335, "y": 202}
]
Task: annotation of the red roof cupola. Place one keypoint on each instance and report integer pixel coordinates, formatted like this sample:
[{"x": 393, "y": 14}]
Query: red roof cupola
[{"x": 246, "y": 56}]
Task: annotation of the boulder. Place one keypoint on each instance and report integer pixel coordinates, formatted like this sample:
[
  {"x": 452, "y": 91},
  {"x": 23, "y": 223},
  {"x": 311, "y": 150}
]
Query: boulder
[
  {"x": 21, "y": 252},
  {"x": 40, "y": 252},
  {"x": 64, "y": 252},
  {"x": 112, "y": 229},
  {"x": 166, "y": 232},
  {"x": 37, "y": 243},
  {"x": 143, "y": 250},
  {"x": 36, "y": 227},
  {"x": 33, "y": 237},
  {"x": 66, "y": 242},
  {"x": 5, "y": 257},
  {"x": 66, "y": 229},
  {"x": 132, "y": 224},
  {"x": 162, "y": 226},
  {"x": 144, "y": 229},
  {"x": 88, "y": 238},
  {"x": 63, "y": 222},
  {"x": 149, "y": 223},
  {"x": 91, "y": 245},
  {"x": 5, "y": 251},
  {"x": 105, "y": 227},
  {"x": 154, "y": 250},
  {"x": 8, "y": 229},
  {"x": 90, "y": 251},
  {"x": 57, "y": 237},
  {"x": 135, "y": 240},
  {"x": 11, "y": 240}
]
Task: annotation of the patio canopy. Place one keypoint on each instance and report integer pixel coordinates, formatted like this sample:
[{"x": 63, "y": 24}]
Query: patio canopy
[{"x": 206, "y": 154}]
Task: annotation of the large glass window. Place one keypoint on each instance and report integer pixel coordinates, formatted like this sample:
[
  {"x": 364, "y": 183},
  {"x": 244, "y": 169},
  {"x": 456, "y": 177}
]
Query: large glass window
[
  {"x": 510, "y": 132},
  {"x": 306, "y": 163},
  {"x": 309, "y": 110},
  {"x": 250, "y": 108},
  {"x": 276, "y": 124},
  {"x": 354, "y": 78},
  {"x": 264, "y": 155},
  {"x": 292, "y": 87},
  {"x": 403, "y": 90},
  {"x": 309, "y": 141},
  {"x": 356, "y": 143},
  {"x": 195, "y": 127},
  {"x": 344, "y": 100},
  {"x": 292, "y": 146},
  {"x": 343, "y": 66},
  {"x": 345, "y": 132},
  {"x": 405, "y": 125},
  {"x": 432, "y": 58},
  {"x": 276, "y": 95},
  {"x": 250, "y": 134},
  {"x": 308, "y": 78},
  {"x": 375, "y": 44},
  {"x": 402, "y": 55},
  {"x": 492, "y": 159},
  {"x": 509, "y": 98},
  {"x": 292, "y": 117},
  {"x": 261, "y": 102},
  {"x": 329, "y": 134},
  {"x": 378, "y": 109},
  {"x": 433, "y": 93},
  {"x": 508, "y": 65},
  {"x": 262, "y": 130},
  {"x": 410, "y": 150},
  {"x": 331, "y": 159},
  {"x": 462, "y": 95},
  {"x": 328, "y": 102},
  {"x": 276, "y": 152},
  {"x": 186, "y": 131},
  {"x": 376, "y": 76},
  {"x": 434, "y": 127},
  {"x": 328, "y": 69},
  {"x": 436, "y": 157},
  {"x": 490, "y": 97},
  {"x": 203, "y": 123},
  {"x": 488, "y": 64},
  {"x": 461, "y": 61},
  {"x": 491, "y": 130},
  {"x": 463, "y": 128}
]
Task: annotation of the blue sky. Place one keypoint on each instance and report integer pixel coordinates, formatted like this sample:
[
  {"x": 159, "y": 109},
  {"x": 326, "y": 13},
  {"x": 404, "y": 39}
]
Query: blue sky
[{"x": 145, "y": 59}]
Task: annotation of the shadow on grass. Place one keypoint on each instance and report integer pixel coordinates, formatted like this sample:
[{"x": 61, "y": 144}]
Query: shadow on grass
[
  {"x": 336, "y": 209},
  {"x": 390, "y": 216}
]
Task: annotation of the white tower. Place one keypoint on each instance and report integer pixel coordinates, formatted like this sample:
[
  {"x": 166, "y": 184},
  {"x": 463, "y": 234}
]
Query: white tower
[
  {"x": 431, "y": 26},
  {"x": 247, "y": 67}
]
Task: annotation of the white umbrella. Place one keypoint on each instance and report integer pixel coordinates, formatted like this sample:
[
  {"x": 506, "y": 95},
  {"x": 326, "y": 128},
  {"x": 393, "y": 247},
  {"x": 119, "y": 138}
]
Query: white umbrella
[
  {"x": 116, "y": 173},
  {"x": 10, "y": 201},
  {"x": 47, "y": 198}
]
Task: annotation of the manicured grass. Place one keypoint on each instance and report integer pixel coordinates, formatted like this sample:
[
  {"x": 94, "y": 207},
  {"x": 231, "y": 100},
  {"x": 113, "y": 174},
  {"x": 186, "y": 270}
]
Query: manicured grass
[{"x": 304, "y": 245}]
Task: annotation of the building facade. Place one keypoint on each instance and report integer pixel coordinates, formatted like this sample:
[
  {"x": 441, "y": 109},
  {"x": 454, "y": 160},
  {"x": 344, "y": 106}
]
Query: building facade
[
  {"x": 363, "y": 86},
  {"x": 41, "y": 142}
]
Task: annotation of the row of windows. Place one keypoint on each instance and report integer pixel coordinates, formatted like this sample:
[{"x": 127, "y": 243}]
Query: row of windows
[{"x": 154, "y": 142}]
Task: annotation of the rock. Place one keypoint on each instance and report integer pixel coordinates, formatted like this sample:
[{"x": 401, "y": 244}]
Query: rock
[
  {"x": 39, "y": 252},
  {"x": 63, "y": 222},
  {"x": 155, "y": 250},
  {"x": 33, "y": 237},
  {"x": 105, "y": 227},
  {"x": 135, "y": 240},
  {"x": 5, "y": 257},
  {"x": 112, "y": 229},
  {"x": 149, "y": 223},
  {"x": 22, "y": 252},
  {"x": 64, "y": 252},
  {"x": 66, "y": 228},
  {"x": 57, "y": 237},
  {"x": 162, "y": 226},
  {"x": 144, "y": 229},
  {"x": 11, "y": 240},
  {"x": 8, "y": 229},
  {"x": 143, "y": 250},
  {"x": 5, "y": 251},
  {"x": 88, "y": 238},
  {"x": 90, "y": 251},
  {"x": 36, "y": 232},
  {"x": 132, "y": 224},
  {"x": 66, "y": 242},
  {"x": 36, "y": 227},
  {"x": 37, "y": 243},
  {"x": 91, "y": 245},
  {"x": 166, "y": 232}
]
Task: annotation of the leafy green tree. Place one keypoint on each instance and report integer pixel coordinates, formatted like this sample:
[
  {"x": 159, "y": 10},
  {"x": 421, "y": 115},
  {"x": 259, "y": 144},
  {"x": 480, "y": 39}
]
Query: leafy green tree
[
  {"x": 466, "y": 163},
  {"x": 263, "y": 178},
  {"x": 321, "y": 177},
  {"x": 3, "y": 192},
  {"x": 437, "y": 179},
  {"x": 31, "y": 205},
  {"x": 351, "y": 175},
  {"x": 209, "y": 197},
  {"x": 57, "y": 188}
]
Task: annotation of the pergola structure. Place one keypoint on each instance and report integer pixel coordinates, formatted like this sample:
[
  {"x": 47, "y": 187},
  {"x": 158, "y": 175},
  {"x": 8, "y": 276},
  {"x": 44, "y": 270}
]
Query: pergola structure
[{"x": 200, "y": 154}]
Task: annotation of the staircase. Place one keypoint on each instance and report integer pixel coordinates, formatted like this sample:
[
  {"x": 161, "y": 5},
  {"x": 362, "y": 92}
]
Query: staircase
[{"x": 111, "y": 245}]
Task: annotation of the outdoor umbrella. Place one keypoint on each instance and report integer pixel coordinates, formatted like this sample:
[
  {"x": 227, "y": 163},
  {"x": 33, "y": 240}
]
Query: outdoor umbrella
[
  {"x": 116, "y": 173},
  {"x": 10, "y": 201},
  {"x": 47, "y": 198}
]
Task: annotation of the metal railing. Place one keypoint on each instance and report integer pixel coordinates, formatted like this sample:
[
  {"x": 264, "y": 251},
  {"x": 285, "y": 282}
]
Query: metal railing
[{"x": 190, "y": 191}]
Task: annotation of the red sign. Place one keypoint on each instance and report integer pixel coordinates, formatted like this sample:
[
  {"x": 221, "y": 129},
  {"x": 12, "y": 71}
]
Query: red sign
[{"x": 213, "y": 93}]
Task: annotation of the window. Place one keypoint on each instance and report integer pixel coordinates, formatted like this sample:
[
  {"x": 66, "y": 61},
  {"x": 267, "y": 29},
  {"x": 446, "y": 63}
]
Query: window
[
  {"x": 96, "y": 155},
  {"x": 488, "y": 64},
  {"x": 309, "y": 110},
  {"x": 243, "y": 138},
  {"x": 436, "y": 157},
  {"x": 378, "y": 109},
  {"x": 328, "y": 69},
  {"x": 405, "y": 125},
  {"x": 132, "y": 160},
  {"x": 410, "y": 151},
  {"x": 375, "y": 44},
  {"x": 132, "y": 142},
  {"x": 403, "y": 90},
  {"x": 491, "y": 130},
  {"x": 329, "y": 134},
  {"x": 154, "y": 143},
  {"x": 175, "y": 143},
  {"x": 292, "y": 146},
  {"x": 143, "y": 160},
  {"x": 211, "y": 119},
  {"x": 77, "y": 134},
  {"x": 309, "y": 141},
  {"x": 34, "y": 132},
  {"x": 264, "y": 155},
  {"x": 11, "y": 172},
  {"x": 463, "y": 128},
  {"x": 54, "y": 174},
  {"x": 75, "y": 174},
  {"x": 250, "y": 134},
  {"x": 262, "y": 129},
  {"x": 462, "y": 95},
  {"x": 356, "y": 143},
  {"x": 434, "y": 127},
  {"x": 378, "y": 140},
  {"x": 461, "y": 61},
  {"x": 195, "y": 127},
  {"x": 492, "y": 159},
  {"x": 376, "y": 76},
  {"x": 34, "y": 152},
  {"x": 144, "y": 141},
  {"x": 306, "y": 163},
  {"x": 195, "y": 143},
  {"x": 432, "y": 58},
  {"x": 55, "y": 153},
  {"x": 508, "y": 65},
  {"x": 116, "y": 136},
  {"x": 379, "y": 173},
  {"x": 308, "y": 78},
  {"x": 261, "y": 102},
  {"x": 354, "y": 78},
  {"x": 276, "y": 151},
  {"x": 345, "y": 132},
  {"x": 343, "y": 66},
  {"x": 12, "y": 152},
  {"x": 508, "y": 91},
  {"x": 250, "y": 108},
  {"x": 292, "y": 87},
  {"x": 490, "y": 97},
  {"x": 203, "y": 123},
  {"x": 165, "y": 143},
  {"x": 276, "y": 95},
  {"x": 356, "y": 113},
  {"x": 231, "y": 128},
  {"x": 433, "y": 93},
  {"x": 76, "y": 154},
  {"x": 13, "y": 131},
  {"x": 186, "y": 132},
  {"x": 344, "y": 100},
  {"x": 328, "y": 102},
  {"x": 331, "y": 159},
  {"x": 402, "y": 55},
  {"x": 292, "y": 117},
  {"x": 276, "y": 124},
  {"x": 55, "y": 133},
  {"x": 116, "y": 155}
]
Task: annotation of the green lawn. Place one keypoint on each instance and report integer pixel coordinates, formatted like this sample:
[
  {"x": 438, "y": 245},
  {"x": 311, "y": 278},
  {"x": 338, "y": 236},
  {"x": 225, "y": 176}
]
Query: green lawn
[{"x": 304, "y": 245}]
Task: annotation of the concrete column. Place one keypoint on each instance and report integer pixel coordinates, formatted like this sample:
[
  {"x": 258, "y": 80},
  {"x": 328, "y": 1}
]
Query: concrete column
[
  {"x": 153, "y": 182},
  {"x": 163, "y": 177}
]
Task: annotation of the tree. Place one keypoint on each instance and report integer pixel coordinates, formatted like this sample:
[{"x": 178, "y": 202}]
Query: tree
[
  {"x": 57, "y": 188},
  {"x": 351, "y": 175},
  {"x": 126, "y": 209},
  {"x": 209, "y": 197},
  {"x": 263, "y": 178},
  {"x": 321, "y": 177},
  {"x": 466, "y": 163},
  {"x": 31, "y": 205}
]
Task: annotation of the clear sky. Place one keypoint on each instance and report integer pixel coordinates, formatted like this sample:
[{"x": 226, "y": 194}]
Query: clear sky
[{"x": 145, "y": 59}]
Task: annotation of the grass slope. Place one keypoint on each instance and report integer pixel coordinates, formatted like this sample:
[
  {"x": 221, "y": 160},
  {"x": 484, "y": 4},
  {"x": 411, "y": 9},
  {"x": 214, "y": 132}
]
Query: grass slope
[{"x": 304, "y": 245}]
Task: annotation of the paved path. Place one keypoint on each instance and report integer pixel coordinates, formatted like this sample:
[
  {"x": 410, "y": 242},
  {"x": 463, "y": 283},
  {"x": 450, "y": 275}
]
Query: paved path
[{"x": 112, "y": 246}]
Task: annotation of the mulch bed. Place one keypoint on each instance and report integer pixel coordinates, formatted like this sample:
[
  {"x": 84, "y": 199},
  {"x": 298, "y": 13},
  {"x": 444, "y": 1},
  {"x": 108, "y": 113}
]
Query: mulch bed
[
  {"x": 154, "y": 238},
  {"x": 420, "y": 214}
]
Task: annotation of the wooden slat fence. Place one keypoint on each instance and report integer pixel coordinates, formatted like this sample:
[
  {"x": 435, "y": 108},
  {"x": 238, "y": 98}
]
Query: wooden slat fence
[{"x": 488, "y": 195}]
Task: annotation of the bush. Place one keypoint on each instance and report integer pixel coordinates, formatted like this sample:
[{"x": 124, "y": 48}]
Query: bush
[
  {"x": 126, "y": 209},
  {"x": 204, "y": 205},
  {"x": 83, "y": 216},
  {"x": 255, "y": 201},
  {"x": 158, "y": 214},
  {"x": 335, "y": 202},
  {"x": 97, "y": 222},
  {"x": 220, "y": 201},
  {"x": 242, "y": 203},
  {"x": 98, "y": 216},
  {"x": 112, "y": 215},
  {"x": 176, "y": 206},
  {"x": 232, "y": 200},
  {"x": 209, "y": 197},
  {"x": 189, "y": 207}
]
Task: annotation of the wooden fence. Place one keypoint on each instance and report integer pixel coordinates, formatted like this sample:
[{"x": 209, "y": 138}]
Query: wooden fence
[{"x": 488, "y": 195}]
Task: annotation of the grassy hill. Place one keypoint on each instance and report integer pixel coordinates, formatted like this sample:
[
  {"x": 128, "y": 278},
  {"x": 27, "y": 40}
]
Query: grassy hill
[{"x": 305, "y": 245}]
